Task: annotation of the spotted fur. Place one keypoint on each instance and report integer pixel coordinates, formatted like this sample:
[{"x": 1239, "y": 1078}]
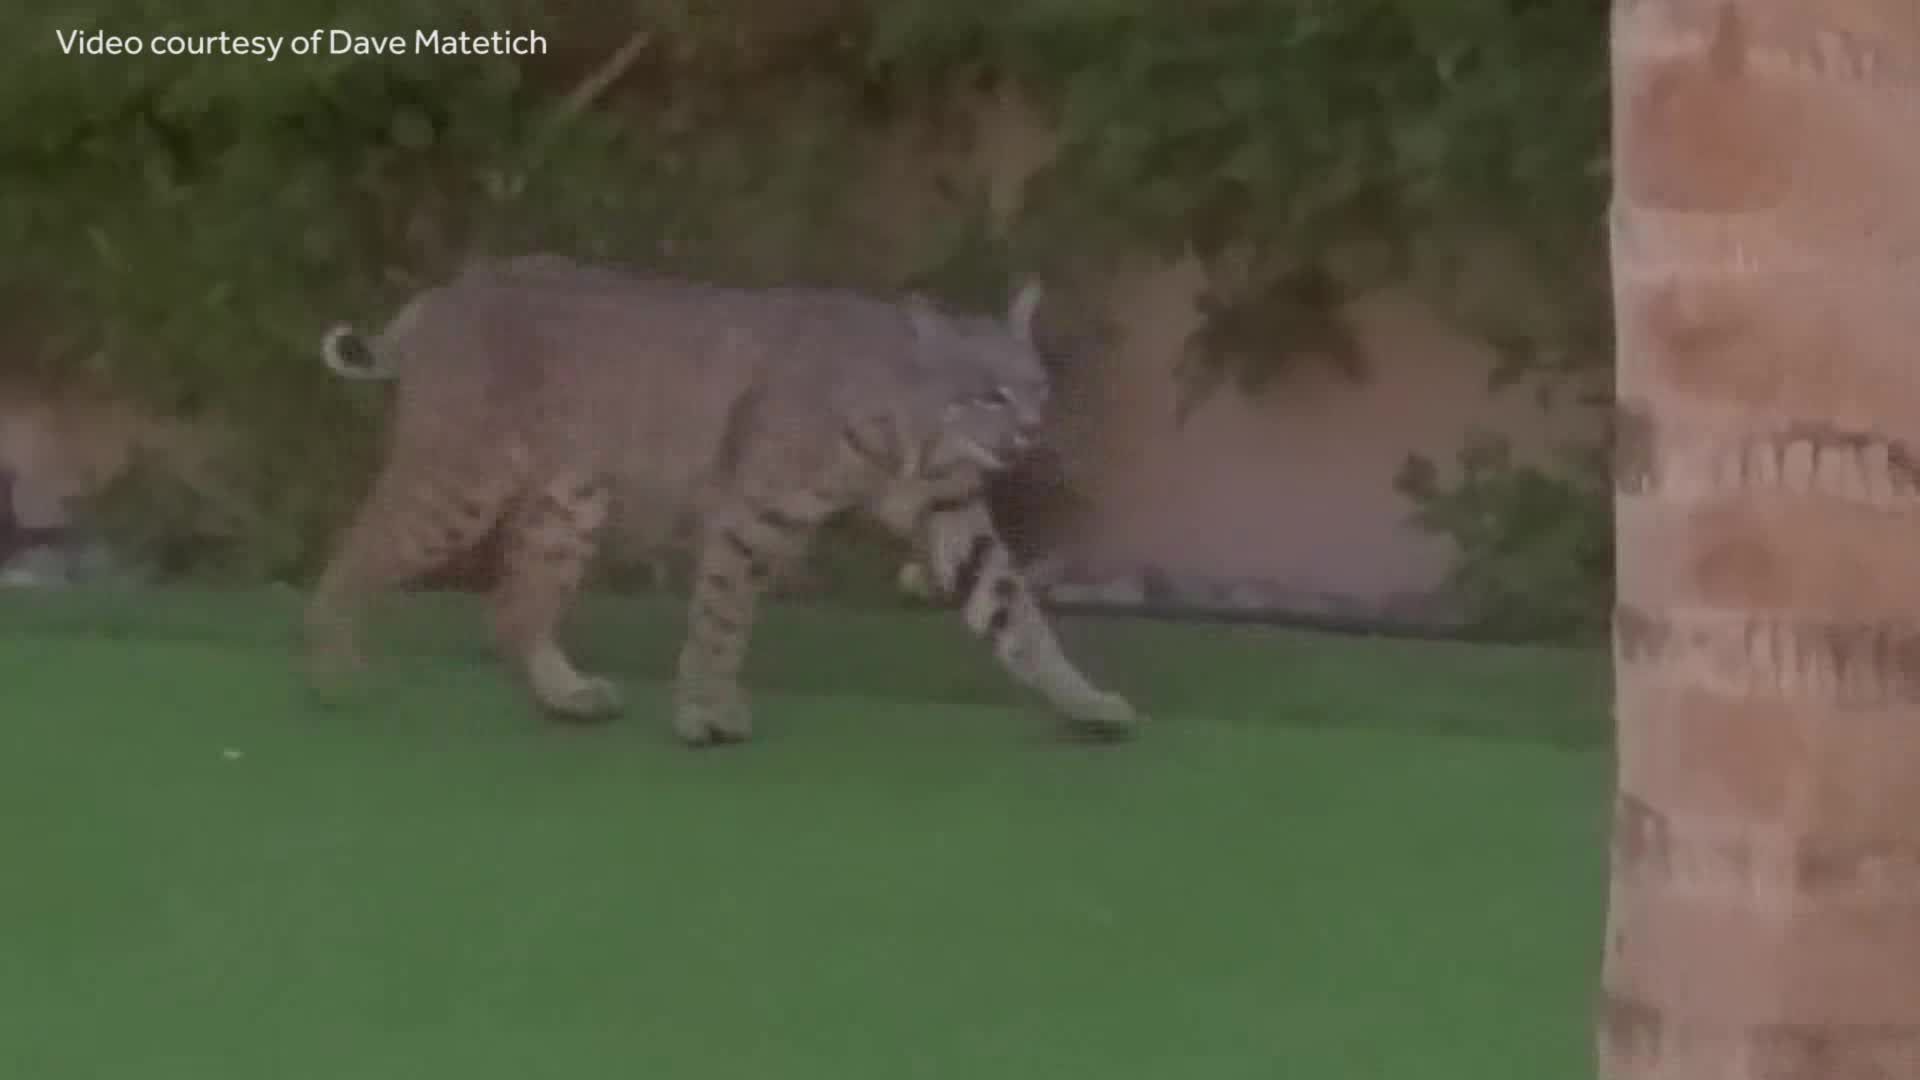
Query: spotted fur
[{"x": 544, "y": 397}]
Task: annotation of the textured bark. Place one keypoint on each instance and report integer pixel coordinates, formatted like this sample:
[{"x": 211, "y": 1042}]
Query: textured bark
[{"x": 1764, "y": 917}]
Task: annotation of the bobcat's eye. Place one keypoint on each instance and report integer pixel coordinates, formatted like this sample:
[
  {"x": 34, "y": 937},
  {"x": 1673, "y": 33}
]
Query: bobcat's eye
[{"x": 997, "y": 398}]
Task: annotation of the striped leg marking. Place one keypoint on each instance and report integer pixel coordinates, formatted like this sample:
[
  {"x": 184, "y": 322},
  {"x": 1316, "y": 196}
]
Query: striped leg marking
[
  {"x": 739, "y": 557},
  {"x": 409, "y": 525},
  {"x": 550, "y": 544},
  {"x": 975, "y": 570}
]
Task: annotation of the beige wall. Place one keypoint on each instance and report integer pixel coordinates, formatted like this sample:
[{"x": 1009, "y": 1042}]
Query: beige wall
[
  {"x": 66, "y": 445},
  {"x": 1295, "y": 488},
  {"x": 58, "y": 447}
]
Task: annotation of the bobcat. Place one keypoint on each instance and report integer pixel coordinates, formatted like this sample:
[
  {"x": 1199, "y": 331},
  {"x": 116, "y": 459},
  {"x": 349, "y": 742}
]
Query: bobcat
[{"x": 539, "y": 396}]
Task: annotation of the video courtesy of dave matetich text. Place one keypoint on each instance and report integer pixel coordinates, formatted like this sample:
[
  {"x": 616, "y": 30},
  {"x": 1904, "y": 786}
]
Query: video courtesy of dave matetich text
[{"x": 320, "y": 42}]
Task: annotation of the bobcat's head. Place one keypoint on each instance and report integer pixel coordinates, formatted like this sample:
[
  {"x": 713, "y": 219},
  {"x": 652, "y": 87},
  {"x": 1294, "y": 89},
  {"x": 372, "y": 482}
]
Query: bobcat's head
[{"x": 990, "y": 387}]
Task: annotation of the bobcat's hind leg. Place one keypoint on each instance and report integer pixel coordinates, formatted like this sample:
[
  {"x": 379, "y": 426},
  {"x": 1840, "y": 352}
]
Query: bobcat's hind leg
[
  {"x": 410, "y": 524},
  {"x": 549, "y": 545}
]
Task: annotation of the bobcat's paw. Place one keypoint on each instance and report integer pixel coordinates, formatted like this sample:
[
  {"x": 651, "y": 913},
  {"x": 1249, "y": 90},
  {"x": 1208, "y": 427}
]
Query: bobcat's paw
[
  {"x": 713, "y": 719},
  {"x": 913, "y": 580},
  {"x": 589, "y": 700},
  {"x": 1106, "y": 716}
]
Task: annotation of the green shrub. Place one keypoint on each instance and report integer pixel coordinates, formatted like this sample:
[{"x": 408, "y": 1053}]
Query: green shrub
[{"x": 1536, "y": 543}]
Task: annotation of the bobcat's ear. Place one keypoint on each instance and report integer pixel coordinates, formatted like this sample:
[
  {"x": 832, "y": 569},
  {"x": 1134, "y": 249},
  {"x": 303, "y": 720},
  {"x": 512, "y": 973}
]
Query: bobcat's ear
[
  {"x": 925, "y": 317},
  {"x": 1021, "y": 311}
]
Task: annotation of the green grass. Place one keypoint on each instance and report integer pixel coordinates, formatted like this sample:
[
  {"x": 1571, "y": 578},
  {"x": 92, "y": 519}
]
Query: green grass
[{"x": 1328, "y": 857}]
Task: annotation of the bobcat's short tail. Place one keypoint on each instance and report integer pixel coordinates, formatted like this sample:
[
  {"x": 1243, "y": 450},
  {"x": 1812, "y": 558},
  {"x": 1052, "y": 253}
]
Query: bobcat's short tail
[{"x": 350, "y": 356}]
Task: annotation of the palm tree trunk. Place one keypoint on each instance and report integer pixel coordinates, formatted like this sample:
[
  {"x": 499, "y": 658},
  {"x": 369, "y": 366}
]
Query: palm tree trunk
[{"x": 1764, "y": 916}]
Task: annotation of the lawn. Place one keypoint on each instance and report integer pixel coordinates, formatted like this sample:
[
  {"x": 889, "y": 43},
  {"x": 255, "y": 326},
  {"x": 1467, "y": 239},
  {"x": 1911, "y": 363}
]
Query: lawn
[{"x": 1329, "y": 857}]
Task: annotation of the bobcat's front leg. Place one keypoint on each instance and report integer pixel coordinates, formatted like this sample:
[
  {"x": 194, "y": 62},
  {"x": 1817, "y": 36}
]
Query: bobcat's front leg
[
  {"x": 973, "y": 567},
  {"x": 740, "y": 555}
]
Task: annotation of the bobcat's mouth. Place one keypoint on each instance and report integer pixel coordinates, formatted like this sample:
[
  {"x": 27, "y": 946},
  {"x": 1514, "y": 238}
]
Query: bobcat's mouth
[
  {"x": 982, "y": 456},
  {"x": 1012, "y": 447}
]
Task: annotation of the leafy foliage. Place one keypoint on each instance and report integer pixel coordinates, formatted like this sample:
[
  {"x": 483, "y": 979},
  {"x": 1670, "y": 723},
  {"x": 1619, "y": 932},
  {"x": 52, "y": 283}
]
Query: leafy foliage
[
  {"x": 195, "y": 222},
  {"x": 1325, "y": 142},
  {"x": 1536, "y": 543}
]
